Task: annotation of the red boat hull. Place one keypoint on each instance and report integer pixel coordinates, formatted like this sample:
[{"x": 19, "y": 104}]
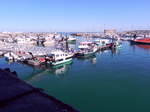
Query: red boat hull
[{"x": 141, "y": 41}]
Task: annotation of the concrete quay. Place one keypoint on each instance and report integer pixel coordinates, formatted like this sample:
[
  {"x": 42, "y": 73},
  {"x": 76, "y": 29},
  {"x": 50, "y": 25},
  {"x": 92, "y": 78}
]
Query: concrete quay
[{"x": 18, "y": 96}]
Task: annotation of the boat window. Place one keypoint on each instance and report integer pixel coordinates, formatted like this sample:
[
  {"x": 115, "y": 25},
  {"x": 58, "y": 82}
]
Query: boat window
[
  {"x": 60, "y": 60},
  {"x": 66, "y": 55},
  {"x": 68, "y": 58},
  {"x": 57, "y": 55},
  {"x": 51, "y": 55}
]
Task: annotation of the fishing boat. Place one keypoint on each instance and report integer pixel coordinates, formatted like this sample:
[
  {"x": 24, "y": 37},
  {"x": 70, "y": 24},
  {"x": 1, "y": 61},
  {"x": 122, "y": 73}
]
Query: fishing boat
[
  {"x": 106, "y": 43},
  {"x": 17, "y": 56},
  {"x": 86, "y": 49},
  {"x": 11, "y": 56},
  {"x": 84, "y": 45},
  {"x": 141, "y": 41},
  {"x": 102, "y": 42},
  {"x": 88, "y": 45},
  {"x": 85, "y": 53},
  {"x": 58, "y": 57},
  {"x": 36, "y": 61}
]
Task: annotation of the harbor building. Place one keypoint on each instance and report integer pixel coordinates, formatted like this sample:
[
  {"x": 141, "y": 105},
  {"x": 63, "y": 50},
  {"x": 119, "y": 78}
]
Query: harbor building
[{"x": 110, "y": 31}]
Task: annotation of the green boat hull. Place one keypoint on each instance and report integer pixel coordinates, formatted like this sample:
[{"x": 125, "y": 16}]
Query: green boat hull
[
  {"x": 62, "y": 64},
  {"x": 86, "y": 55}
]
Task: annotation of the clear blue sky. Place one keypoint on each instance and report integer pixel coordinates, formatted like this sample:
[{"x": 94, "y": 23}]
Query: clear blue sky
[{"x": 74, "y": 15}]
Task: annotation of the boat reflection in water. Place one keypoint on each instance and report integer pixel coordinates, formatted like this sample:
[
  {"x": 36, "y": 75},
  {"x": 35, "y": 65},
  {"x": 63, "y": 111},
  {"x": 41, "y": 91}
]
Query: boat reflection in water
[
  {"x": 59, "y": 71},
  {"x": 72, "y": 45},
  {"x": 146, "y": 47},
  {"x": 115, "y": 51},
  {"x": 91, "y": 59},
  {"x": 141, "y": 46}
]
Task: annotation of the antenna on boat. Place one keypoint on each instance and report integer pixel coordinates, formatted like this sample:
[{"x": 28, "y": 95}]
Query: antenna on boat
[
  {"x": 134, "y": 36},
  {"x": 66, "y": 39}
]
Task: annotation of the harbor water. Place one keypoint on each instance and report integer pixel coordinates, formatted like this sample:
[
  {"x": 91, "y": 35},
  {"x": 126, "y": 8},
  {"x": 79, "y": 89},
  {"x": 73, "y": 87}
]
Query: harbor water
[{"x": 112, "y": 81}]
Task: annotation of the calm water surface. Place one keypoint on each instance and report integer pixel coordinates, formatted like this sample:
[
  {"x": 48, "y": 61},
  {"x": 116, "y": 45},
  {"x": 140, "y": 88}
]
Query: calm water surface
[{"x": 113, "y": 81}]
